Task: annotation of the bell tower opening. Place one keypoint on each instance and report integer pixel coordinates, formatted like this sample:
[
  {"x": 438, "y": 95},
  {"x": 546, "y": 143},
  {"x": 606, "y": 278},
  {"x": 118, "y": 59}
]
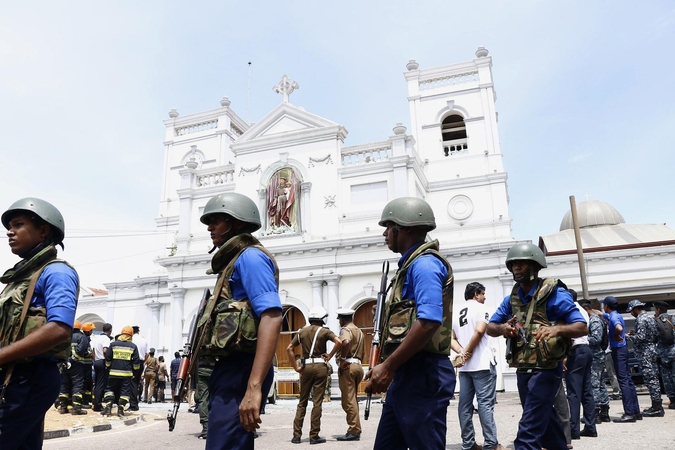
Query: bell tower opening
[{"x": 453, "y": 131}]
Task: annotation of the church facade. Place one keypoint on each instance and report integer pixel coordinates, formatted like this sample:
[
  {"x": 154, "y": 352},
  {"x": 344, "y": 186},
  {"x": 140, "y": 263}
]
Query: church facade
[{"x": 320, "y": 201}]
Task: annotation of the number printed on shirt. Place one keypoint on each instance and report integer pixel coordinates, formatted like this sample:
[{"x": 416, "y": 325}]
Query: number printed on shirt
[{"x": 462, "y": 317}]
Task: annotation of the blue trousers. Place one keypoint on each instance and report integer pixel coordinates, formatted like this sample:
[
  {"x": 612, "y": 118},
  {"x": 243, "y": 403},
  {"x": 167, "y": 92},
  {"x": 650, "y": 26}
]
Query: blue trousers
[
  {"x": 481, "y": 384},
  {"x": 31, "y": 392},
  {"x": 227, "y": 386},
  {"x": 579, "y": 389},
  {"x": 628, "y": 393},
  {"x": 539, "y": 427},
  {"x": 414, "y": 415}
]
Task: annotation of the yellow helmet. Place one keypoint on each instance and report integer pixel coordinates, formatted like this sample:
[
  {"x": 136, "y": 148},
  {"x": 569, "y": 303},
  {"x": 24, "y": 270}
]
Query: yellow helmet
[
  {"x": 77, "y": 324},
  {"x": 128, "y": 330},
  {"x": 88, "y": 326}
]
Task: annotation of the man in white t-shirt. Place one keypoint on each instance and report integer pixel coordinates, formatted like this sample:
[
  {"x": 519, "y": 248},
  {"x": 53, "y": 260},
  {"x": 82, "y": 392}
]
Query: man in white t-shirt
[
  {"x": 477, "y": 374},
  {"x": 99, "y": 345},
  {"x": 142, "y": 345}
]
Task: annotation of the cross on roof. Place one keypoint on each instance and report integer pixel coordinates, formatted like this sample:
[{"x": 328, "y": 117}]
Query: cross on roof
[{"x": 286, "y": 87}]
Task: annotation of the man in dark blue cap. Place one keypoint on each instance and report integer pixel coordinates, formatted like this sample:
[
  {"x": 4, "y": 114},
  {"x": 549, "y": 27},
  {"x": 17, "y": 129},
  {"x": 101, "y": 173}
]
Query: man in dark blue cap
[{"x": 617, "y": 342}]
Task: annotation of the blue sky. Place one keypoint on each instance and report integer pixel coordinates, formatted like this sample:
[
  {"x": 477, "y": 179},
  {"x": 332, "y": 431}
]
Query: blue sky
[{"x": 585, "y": 98}]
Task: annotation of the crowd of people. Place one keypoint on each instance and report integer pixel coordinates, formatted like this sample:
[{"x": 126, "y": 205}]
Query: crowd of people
[{"x": 47, "y": 357}]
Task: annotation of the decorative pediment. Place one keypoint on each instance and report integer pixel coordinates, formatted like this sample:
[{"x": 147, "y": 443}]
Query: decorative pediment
[{"x": 285, "y": 118}]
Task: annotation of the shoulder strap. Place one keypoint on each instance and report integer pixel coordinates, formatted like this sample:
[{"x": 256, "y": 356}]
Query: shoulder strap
[
  {"x": 26, "y": 304},
  {"x": 311, "y": 350}
]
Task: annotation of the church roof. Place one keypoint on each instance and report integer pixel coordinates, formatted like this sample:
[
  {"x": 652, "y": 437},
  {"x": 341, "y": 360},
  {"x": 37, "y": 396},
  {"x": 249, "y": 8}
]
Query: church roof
[{"x": 592, "y": 213}]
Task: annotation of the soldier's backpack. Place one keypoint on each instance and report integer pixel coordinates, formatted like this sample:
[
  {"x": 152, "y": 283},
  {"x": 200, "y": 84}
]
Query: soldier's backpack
[{"x": 666, "y": 330}]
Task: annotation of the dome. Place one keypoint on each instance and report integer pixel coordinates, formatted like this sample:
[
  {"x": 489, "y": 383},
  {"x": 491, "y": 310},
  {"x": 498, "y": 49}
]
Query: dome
[{"x": 592, "y": 213}]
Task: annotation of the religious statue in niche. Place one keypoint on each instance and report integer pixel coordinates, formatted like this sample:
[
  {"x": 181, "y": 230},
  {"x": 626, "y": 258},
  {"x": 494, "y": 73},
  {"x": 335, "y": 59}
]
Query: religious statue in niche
[{"x": 282, "y": 202}]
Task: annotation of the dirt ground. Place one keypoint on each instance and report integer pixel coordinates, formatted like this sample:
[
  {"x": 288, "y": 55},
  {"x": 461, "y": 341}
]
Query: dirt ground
[{"x": 56, "y": 421}]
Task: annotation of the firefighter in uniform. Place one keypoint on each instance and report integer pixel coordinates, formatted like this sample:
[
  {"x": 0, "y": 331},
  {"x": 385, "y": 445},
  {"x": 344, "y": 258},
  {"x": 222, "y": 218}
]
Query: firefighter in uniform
[
  {"x": 241, "y": 321},
  {"x": 545, "y": 310},
  {"x": 87, "y": 393},
  {"x": 350, "y": 372},
  {"x": 644, "y": 337},
  {"x": 313, "y": 371},
  {"x": 44, "y": 291},
  {"x": 122, "y": 360},
  {"x": 73, "y": 379},
  {"x": 417, "y": 334}
]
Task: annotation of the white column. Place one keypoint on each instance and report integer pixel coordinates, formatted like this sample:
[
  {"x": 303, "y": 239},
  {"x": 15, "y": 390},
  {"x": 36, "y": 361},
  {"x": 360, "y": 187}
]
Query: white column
[
  {"x": 305, "y": 209},
  {"x": 154, "y": 335},
  {"x": 177, "y": 304},
  {"x": 333, "y": 301},
  {"x": 317, "y": 291}
]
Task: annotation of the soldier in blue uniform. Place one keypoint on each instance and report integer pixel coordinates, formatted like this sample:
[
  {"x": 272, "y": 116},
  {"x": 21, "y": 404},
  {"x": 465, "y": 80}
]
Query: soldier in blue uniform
[
  {"x": 617, "y": 342},
  {"x": 30, "y": 353},
  {"x": 596, "y": 331},
  {"x": 416, "y": 368},
  {"x": 644, "y": 338},
  {"x": 665, "y": 349},
  {"x": 247, "y": 289},
  {"x": 545, "y": 311}
]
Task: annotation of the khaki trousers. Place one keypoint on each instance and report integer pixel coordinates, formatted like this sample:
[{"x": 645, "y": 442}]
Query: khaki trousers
[
  {"x": 150, "y": 378},
  {"x": 349, "y": 380},
  {"x": 313, "y": 376}
]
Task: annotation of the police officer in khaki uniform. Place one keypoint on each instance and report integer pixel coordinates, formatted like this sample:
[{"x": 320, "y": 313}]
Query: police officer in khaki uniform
[
  {"x": 313, "y": 370},
  {"x": 350, "y": 372}
]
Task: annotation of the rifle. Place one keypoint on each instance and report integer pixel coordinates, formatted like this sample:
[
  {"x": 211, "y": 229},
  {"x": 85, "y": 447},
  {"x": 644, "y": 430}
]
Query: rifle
[
  {"x": 377, "y": 330},
  {"x": 522, "y": 335},
  {"x": 188, "y": 360}
]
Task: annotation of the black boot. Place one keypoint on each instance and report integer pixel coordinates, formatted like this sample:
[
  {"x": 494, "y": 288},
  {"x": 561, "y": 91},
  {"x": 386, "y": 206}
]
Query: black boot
[
  {"x": 77, "y": 410},
  {"x": 656, "y": 409},
  {"x": 598, "y": 419},
  {"x": 107, "y": 410},
  {"x": 205, "y": 429},
  {"x": 672, "y": 403},
  {"x": 604, "y": 413},
  {"x": 120, "y": 411}
]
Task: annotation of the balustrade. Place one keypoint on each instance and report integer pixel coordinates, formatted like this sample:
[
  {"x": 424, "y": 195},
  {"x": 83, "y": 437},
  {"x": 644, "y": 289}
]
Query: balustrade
[
  {"x": 215, "y": 177},
  {"x": 449, "y": 81},
  {"x": 456, "y": 147},
  {"x": 353, "y": 156},
  {"x": 197, "y": 127}
]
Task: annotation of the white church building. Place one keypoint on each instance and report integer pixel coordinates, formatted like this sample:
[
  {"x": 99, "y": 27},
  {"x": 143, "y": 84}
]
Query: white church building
[{"x": 320, "y": 199}]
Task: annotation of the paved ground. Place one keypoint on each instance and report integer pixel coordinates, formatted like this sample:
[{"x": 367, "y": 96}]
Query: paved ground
[{"x": 276, "y": 431}]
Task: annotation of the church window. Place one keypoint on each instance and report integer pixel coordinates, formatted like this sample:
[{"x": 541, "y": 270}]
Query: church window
[{"x": 453, "y": 130}]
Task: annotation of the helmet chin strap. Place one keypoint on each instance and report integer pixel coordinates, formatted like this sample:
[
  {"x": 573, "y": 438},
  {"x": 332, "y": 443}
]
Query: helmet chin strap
[
  {"x": 395, "y": 245},
  {"x": 223, "y": 235}
]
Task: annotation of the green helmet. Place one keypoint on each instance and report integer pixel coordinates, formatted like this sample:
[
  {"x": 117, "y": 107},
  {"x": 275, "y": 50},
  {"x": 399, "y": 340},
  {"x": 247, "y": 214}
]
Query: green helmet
[
  {"x": 408, "y": 212},
  {"x": 525, "y": 251},
  {"x": 44, "y": 210},
  {"x": 234, "y": 205}
]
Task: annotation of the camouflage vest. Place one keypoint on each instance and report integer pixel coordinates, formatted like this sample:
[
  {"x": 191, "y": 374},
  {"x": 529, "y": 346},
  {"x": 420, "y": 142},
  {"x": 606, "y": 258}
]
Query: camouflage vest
[
  {"x": 12, "y": 300},
  {"x": 537, "y": 355},
  {"x": 230, "y": 325},
  {"x": 400, "y": 313}
]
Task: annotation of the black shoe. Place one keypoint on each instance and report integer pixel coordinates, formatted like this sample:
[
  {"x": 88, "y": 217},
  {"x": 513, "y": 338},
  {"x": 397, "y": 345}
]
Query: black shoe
[
  {"x": 588, "y": 433},
  {"x": 349, "y": 437},
  {"x": 106, "y": 411},
  {"x": 77, "y": 411},
  {"x": 317, "y": 440},
  {"x": 296, "y": 440},
  {"x": 625, "y": 419},
  {"x": 120, "y": 412},
  {"x": 576, "y": 436},
  {"x": 638, "y": 416},
  {"x": 133, "y": 408},
  {"x": 616, "y": 396},
  {"x": 97, "y": 408}
]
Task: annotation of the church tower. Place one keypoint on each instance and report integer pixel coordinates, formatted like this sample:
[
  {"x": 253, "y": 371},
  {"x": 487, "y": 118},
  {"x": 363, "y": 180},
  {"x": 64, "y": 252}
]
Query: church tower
[{"x": 454, "y": 123}]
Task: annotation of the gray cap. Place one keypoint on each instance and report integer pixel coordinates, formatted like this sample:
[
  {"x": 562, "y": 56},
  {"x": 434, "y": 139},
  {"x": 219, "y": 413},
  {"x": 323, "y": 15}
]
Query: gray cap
[{"x": 634, "y": 304}]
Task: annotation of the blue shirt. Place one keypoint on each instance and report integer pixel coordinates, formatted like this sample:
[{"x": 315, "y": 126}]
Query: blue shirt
[
  {"x": 56, "y": 290},
  {"x": 424, "y": 282},
  {"x": 559, "y": 307},
  {"x": 615, "y": 318},
  {"x": 253, "y": 278}
]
